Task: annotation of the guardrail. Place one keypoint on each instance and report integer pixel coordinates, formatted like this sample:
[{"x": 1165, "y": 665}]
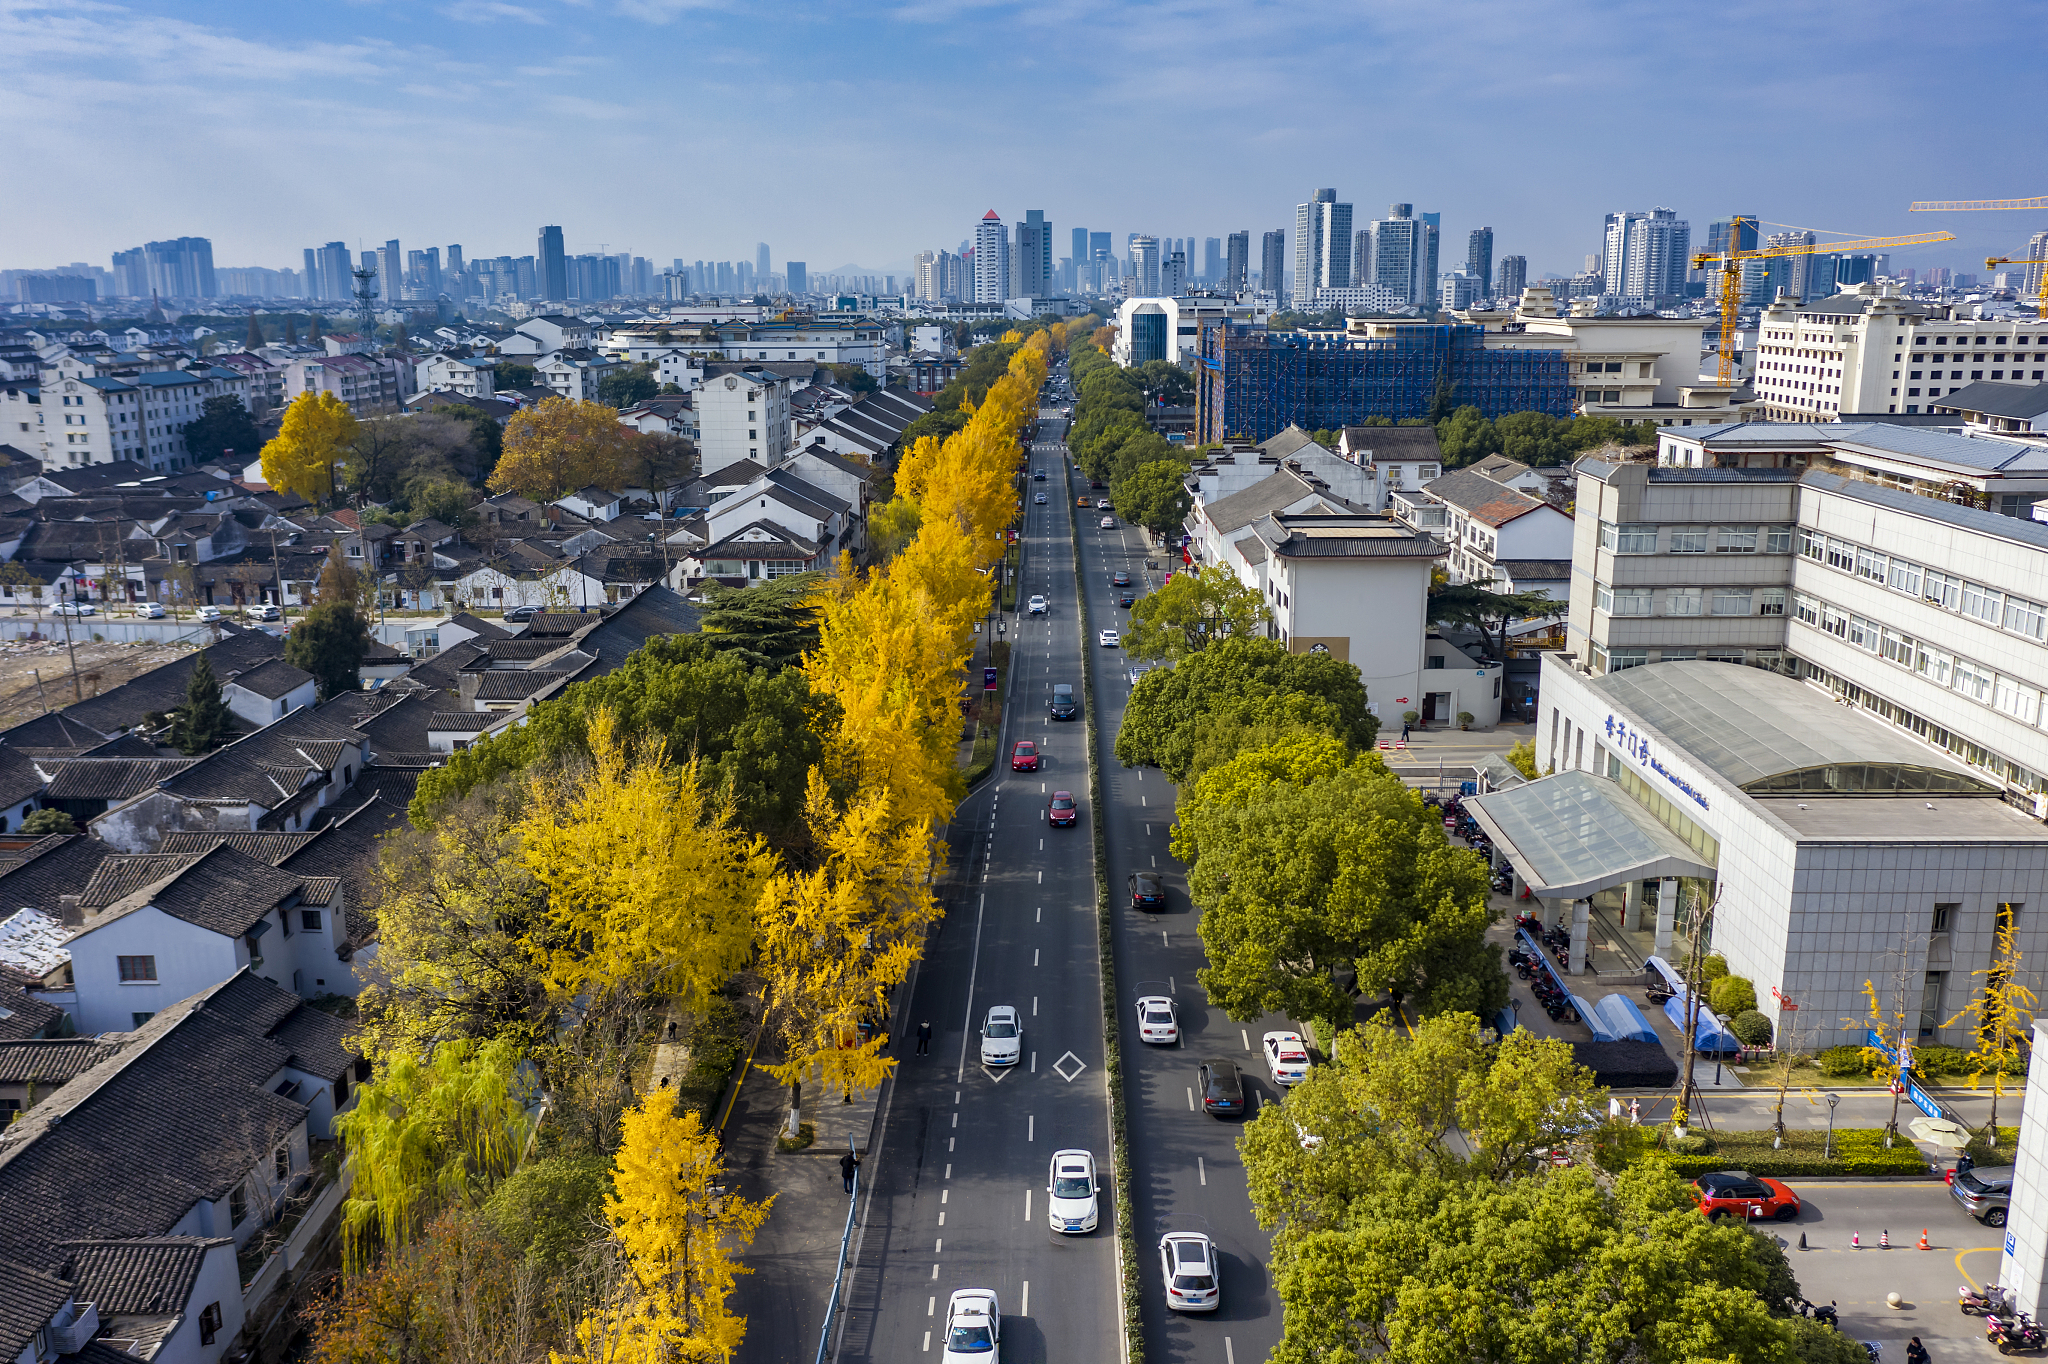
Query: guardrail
[{"x": 839, "y": 1276}]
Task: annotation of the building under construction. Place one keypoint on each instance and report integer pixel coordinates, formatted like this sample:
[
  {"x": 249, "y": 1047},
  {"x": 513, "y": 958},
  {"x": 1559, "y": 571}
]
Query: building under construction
[{"x": 1251, "y": 383}]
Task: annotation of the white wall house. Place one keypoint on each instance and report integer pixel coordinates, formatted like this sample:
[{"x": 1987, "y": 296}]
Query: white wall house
[
  {"x": 472, "y": 376},
  {"x": 743, "y": 416}
]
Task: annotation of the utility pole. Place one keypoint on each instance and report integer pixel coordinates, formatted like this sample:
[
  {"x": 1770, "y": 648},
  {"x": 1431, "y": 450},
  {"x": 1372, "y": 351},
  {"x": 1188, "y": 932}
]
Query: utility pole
[
  {"x": 277, "y": 576},
  {"x": 1687, "y": 1087},
  {"x": 77, "y": 691}
]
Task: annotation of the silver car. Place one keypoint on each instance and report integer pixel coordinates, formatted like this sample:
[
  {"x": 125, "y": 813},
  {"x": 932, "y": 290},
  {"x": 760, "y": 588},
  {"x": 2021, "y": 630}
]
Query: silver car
[{"x": 1985, "y": 1193}]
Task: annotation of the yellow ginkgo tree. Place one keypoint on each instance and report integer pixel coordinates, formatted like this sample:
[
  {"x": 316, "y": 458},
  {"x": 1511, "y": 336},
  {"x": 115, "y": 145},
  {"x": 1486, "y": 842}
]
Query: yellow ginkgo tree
[
  {"x": 835, "y": 941},
  {"x": 312, "y": 439},
  {"x": 677, "y": 1235},
  {"x": 2002, "y": 1010}
]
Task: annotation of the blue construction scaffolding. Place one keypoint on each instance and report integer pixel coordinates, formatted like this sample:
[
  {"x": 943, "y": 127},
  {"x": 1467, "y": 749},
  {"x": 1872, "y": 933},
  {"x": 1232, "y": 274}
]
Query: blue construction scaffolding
[{"x": 1252, "y": 383}]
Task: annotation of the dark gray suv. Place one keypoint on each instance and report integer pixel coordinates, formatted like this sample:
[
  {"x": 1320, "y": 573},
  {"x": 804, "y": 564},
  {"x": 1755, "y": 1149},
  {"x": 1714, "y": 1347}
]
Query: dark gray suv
[
  {"x": 1064, "y": 707},
  {"x": 1985, "y": 1193}
]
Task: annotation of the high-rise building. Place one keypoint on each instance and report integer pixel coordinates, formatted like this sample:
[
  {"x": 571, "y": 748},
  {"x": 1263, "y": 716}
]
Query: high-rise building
[
  {"x": 799, "y": 276},
  {"x": 1514, "y": 277},
  {"x": 423, "y": 273},
  {"x": 1031, "y": 262},
  {"x": 761, "y": 262},
  {"x": 2037, "y": 254},
  {"x": 311, "y": 274},
  {"x": 391, "y": 272},
  {"x": 1645, "y": 254},
  {"x": 1322, "y": 246},
  {"x": 991, "y": 260},
  {"x": 1479, "y": 259},
  {"x": 1145, "y": 266},
  {"x": 1273, "y": 263},
  {"x": 179, "y": 268},
  {"x": 1235, "y": 262},
  {"x": 552, "y": 275},
  {"x": 1212, "y": 260},
  {"x": 1398, "y": 256},
  {"x": 454, "y": 265},
  {"x": 1173, "y": 275}
]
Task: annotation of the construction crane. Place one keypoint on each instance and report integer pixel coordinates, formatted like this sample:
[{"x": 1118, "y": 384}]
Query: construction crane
[
  {"x": 2040, "y": 278},
  {"x": 1730, "y": 265},
  {"x": 2034, "y": 205}
]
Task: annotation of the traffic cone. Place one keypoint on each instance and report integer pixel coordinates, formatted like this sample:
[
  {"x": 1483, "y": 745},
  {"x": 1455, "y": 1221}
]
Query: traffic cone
[
  {"x": 1802, "y": 1240},
  {"x": 1884, "y": 1239},
  {"x": 1923, "y": 1240},
  {"x": 1855, "y": 1240}
]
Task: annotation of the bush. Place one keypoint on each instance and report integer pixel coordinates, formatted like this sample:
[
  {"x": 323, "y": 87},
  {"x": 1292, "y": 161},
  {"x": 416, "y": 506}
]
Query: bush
[
  {"x": 1939, "y": 1062},
  {"x": 1712, "y": 967},
  {"x": 1731, "y": 995},
  {"x": 717, "y": 1039},
  {"x": 1751, "y": 1028},
  {"x": 1842, "y": 1062},
  {"x": 1858, "y": 1151},
  {"x": 1694, "y": 1144},
  {"x": 547, "y": 1208}
]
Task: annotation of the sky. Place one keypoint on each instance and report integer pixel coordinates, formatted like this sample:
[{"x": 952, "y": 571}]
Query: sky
[{"x": 844, "y": 133}]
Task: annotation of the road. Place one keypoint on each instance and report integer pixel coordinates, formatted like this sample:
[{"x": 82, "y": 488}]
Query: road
[
  {"x": 1186, "y": 1163},
  {"x": 962, "y": 1159}
]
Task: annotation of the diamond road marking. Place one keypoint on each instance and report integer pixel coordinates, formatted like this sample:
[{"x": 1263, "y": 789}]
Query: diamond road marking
[
  {"x": 1059, "y": 1067},
  {"x": 996, "y": 1075}
]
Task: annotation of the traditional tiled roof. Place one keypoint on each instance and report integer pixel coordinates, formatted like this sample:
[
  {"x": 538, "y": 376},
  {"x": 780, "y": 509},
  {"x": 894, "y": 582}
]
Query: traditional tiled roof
[
  {"x": 111, "y": 778},
  {"x": 28, "y": 1299},
  {"x": 271, "y": 849},
  {"x": 223, "y": 890},
  {"x": 60, "y": 871},
  {"x": 158, "y": 690},
  {"x": 23, "y": 1015},
  {"x": 51, "y": 1061},
  {"x": 145, "y": 1276},
  {"x": 273, "y": 679}
]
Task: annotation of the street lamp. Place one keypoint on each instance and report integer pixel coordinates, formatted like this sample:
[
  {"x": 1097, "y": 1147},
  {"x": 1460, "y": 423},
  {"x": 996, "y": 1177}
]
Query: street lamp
[{"x": 1828, "y": 1150}]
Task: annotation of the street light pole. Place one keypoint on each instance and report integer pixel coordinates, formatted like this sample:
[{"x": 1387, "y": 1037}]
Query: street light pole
[{"x": 1828, "y": 1150}]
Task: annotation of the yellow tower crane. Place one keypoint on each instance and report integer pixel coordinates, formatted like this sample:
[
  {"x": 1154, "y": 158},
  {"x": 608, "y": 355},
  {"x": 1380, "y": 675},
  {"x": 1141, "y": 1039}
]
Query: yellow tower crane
[
  {"x": 2034, "y": 205},
  {"x": 1730, "y": 264}
]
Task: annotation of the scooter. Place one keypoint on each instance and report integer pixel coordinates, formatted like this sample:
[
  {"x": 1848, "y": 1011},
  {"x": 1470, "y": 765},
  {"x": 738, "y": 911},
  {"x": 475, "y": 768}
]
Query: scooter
[
  {"x": 1976, "y": 1304},
  {"x": 2014, "y": 1333},
  {"x": 1828, "y": 1315}
]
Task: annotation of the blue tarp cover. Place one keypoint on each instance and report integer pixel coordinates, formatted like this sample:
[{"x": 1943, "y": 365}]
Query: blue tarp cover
[{"x": 1616, "y": 1019}]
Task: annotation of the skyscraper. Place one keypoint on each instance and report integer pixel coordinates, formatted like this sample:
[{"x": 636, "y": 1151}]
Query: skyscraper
[
  {"x": 1514, "y": 277},
  {"x": 1145, "y": 266},
  {"x": 2037, "y": 252},
  {"x": 1479, "y": 259},
  {"x": 799, "y": 273},
  {"x": 391, "y": 272},
  {"x": 991, "y": 260},
  {"x": 552, "y": 272},
  {"x": 1644, "y": 254},
  {"x": 1235, "y": 263},
  {"x": 761, "y": 263},
  {"x": 454, "y": 265},
  {"x": 1173, "y": 272},
  {"x": 179, "y": 268},
  {"x": 1031, "y": 263},
  {"x": 1322, "y": 246},
  {"x": 1398, "y": 254},
  {"x": 1273, "y": 263},
  {"x": 1212, "y": 260}
]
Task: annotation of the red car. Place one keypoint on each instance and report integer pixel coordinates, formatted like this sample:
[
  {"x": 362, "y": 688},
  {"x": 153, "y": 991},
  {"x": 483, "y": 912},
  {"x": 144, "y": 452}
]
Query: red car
[
  {"x": 1062, "y": 812},
  {"x": 1734, "y": 1193},
  {"x": 1024, "y": 757}
]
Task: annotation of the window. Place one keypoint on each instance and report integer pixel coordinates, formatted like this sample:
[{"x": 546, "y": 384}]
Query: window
[
  {"x": 1936, "y": 666},
  {"x": 1834, "y": 622},
  {"x": 137, "y": 970},
  {"x": 1682, "y": 601},
  {"x": 1973, "y": 681},
  {"x": 1777, "y": 539},
  {"x": 1636, "y": 539},
  {"x": 1813, "y": 546},
  {"x": 1806, "y": 608},
  {"x": 281, "y": 1162},
  {"x": 1633, "y": 601},
  {"x": 2025, "y": 617},
  {"x": 1434, "y": 661},
  {"x": 1942, "y": 589},
  {"x": 1731, "y": 601},
  {"x": 1608, "y": 535},
  {"x": 1841, "y": 555},
  {"x": 140, "y": 1017},
  {"x": 1603, "y": 598},
  {"x": 1770, "y": 601},
  {"x": 1944, "y": 916},
  {"x": 1689, "y": 540},
  {"x": 209, "y": 1323},
  {"x": 1932, "y": 987},
  {"x": 1905, "y": 577},
  {"x": 1900, "y": 649},
  {"x": 309, "y": 919},
  {"x": 1983, "y": 603},
  {"x": 1624, "y": 658},
  {"x": 238, "y": 1205},
  {"x": 1872, "y": 565},
  {"x": 1735, "y": 540},
  {"x": 2014, "y": 699}
]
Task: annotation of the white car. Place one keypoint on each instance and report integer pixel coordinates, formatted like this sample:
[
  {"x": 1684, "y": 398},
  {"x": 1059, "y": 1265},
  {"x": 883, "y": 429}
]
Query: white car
[
  {"x": 1036, "y": 606},
  {"x": 1286, "y": 1057},
  {"x": 1109, "y": 523},
  {"x": 1070, "y": 1187},
  {"x": 1038, "y": 498},
  {"x": 1187, "y": 1261},
  {"x": 1002, "y": 1037},
  {"x": 74, "y": 608},
  {"x": 974, "y": 1327},
  {"x": 1110, "y": 639},
  {"x": 1158, "y": 1021},
  {"x": 209, "y": 613}
]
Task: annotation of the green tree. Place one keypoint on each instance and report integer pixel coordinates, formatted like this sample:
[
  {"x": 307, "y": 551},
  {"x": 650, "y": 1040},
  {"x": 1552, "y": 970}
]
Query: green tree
[
  {"x": 1163, "y": 381},
  {"x": 223, "y": 426},
  {"x": 1252, "y": 681},
  {"x": 512, "y": 375},
  {"x": 486, "y": 441},
  {"x": 547, "y": 1209},
  {"x": 892, "y": 525},
  {"x": 204, "y": 722},
  {"x": 624, "y": 387},
  {"x": 1487, "y": 611},
  {"x": 1590, "y": 433},
  {"x": 1198, "y": 608},
  {"x": 1300, "y": 876},
  {"x": 1443, "y": 399},
  {"x": 1533, "y": 437},
  {"x": 855, "y": 379},
  {"x": 329, "y": 642},
  {"x": 933, "y": 423},
  {"x": 1466, "y": 437},
  {"x": 1155, "y": 496},
  {"x": 771, "y": 624},
  {"x": 45, "y": 822}
]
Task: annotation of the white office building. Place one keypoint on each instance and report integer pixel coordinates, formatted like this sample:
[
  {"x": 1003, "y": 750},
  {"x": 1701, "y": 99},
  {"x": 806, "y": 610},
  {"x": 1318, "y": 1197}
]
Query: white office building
[{"x": 991, "y": 260}]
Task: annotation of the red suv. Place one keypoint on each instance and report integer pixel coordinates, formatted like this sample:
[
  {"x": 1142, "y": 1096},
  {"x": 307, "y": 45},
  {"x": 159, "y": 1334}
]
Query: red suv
[
  {"x": 1062, "y": 812},
  {"x": 1735, "y": 1193},
  {"x": 1024, "y": 757}
]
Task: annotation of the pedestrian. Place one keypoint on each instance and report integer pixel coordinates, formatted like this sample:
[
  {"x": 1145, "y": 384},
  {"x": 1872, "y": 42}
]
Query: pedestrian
[
  {"x": 1916, "y": 1353},
  {"x": 848, "y": 1163},
  {"x": 924, "y": 1038},
  {"x": 1404, "y": 731},
  {"x": 1963, "y": 1162}
]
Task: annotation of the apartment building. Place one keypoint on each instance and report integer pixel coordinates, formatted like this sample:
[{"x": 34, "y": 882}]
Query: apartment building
[
  {"x": 1930, "y": 615},
  {"x": 469, "y": 375},
  {"x": 1868, "y": 350},
  {"x": 743, "y": 416},
  {"x": 367, "y": 384}
]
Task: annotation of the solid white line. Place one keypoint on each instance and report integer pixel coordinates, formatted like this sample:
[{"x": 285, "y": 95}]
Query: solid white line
[
  {"x": 1031, "y": 1127},
  {"x": 1026, "y": 1311},
  {"x": 1247, "y": 1038},
  {"x": 967, "y": 1025},
  {"x": 1191, "y": 1098},
  {"x": 1201, "y": 1172}
]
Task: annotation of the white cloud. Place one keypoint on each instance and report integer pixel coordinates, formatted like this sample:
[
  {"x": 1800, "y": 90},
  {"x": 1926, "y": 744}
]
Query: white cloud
[{"x": 490, "y": 12}]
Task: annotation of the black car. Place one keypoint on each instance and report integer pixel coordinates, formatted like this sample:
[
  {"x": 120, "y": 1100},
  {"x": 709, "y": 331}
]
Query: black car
[
  {"x": 1125, "y": 598},
  {"x": 1147, "y": 890},
  {"x": 1038, "y": 477},
  {"x": 1064, "y": 706},
  {"x": 1222, "y": 1089},
  {"x": 1119, "y": 579},
  {"x": 519, "y": 613}
]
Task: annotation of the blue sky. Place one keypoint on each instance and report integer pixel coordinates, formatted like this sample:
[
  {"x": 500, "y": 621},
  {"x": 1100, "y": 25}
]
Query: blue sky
[{"x": 843, "y": 133}]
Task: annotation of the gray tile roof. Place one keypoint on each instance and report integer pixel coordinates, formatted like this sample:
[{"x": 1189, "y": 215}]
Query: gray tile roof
[
  {"x": 111, "y": 778},
  {"x": 271, "y": 849},
  {"x": 57, "y": 871},
  {"x": 1482, "y": 499},
  {"x": 20, "y": 781},
  {"x": 348, "y": 849},
  {"x": 2034, "y": 533},
  {"x": 1996, "y": 399},
  {"x": 159, "y": 689},
  {"x": 51, "y": 1061},
  {"x": 267, "y": 767},
  {"x": 22, "y": 1015},
  {"x": 464, "y": 721},
  {"x": 273, "y": 679},
  {"x": 145, "y": 1276},
  {"x": 1275, "y": 492},
  {"x": 223, "y": 890},
  {"x": 28, "y": 1299}
]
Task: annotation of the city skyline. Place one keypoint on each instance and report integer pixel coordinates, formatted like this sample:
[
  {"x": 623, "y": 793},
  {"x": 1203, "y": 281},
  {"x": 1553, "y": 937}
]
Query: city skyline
[{"x": 582, "y": 100}]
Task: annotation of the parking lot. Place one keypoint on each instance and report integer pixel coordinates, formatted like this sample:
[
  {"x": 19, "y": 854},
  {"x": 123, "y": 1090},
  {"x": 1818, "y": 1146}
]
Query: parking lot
[{"x": 1858, "y": 1280}]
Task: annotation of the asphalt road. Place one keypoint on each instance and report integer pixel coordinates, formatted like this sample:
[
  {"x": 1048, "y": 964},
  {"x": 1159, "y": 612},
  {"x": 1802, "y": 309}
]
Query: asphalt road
[
  {"x": 1186, "y": 1163},
  {"x": 961, "y": 1164}
]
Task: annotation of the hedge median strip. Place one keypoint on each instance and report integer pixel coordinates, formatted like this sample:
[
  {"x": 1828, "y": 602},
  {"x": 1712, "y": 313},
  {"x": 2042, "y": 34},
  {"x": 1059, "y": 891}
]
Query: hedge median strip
[{"x": 1112, "y": 1053}]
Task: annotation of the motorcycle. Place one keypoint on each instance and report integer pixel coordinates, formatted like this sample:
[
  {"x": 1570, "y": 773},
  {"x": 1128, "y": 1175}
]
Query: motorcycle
[
  {"x": 1829, "y": 1315},
  {"x": 2014, "y": 1333},
  {"x": 1977, "y": 1304}
]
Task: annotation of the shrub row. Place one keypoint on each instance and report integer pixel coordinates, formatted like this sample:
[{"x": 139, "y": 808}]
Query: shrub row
[
  {"x": 1131, "y": 1290},
  {"x": 1929, "y": 1063},
  {"x": 718, "y": 1038},
  {"x": 1857, "y": 1151}
]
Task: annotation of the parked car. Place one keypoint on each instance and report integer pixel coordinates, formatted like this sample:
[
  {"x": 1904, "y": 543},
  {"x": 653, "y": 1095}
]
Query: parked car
[
  {"x": 1063, "y": 813},
  {"x": 1187, "y": 1262},
  {"x": 1024, "y": 757},
  {"x": 1147, "y": 890},
  {"x": 209, "y": 613},
  {"x": 1286, "y": 1057},
  {"x": 1735, "y": 1193},
  {"x": 1986, "y": 1193},
  {"x": 515, "y": 614},
  {"x": 1222, "y": 1088},
  {"x": 74, "y": 608},
  {"x": 267, "y": 611},
  {"x": 1070, "y": 1206},
  {"x": 149, "y": 610}
]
